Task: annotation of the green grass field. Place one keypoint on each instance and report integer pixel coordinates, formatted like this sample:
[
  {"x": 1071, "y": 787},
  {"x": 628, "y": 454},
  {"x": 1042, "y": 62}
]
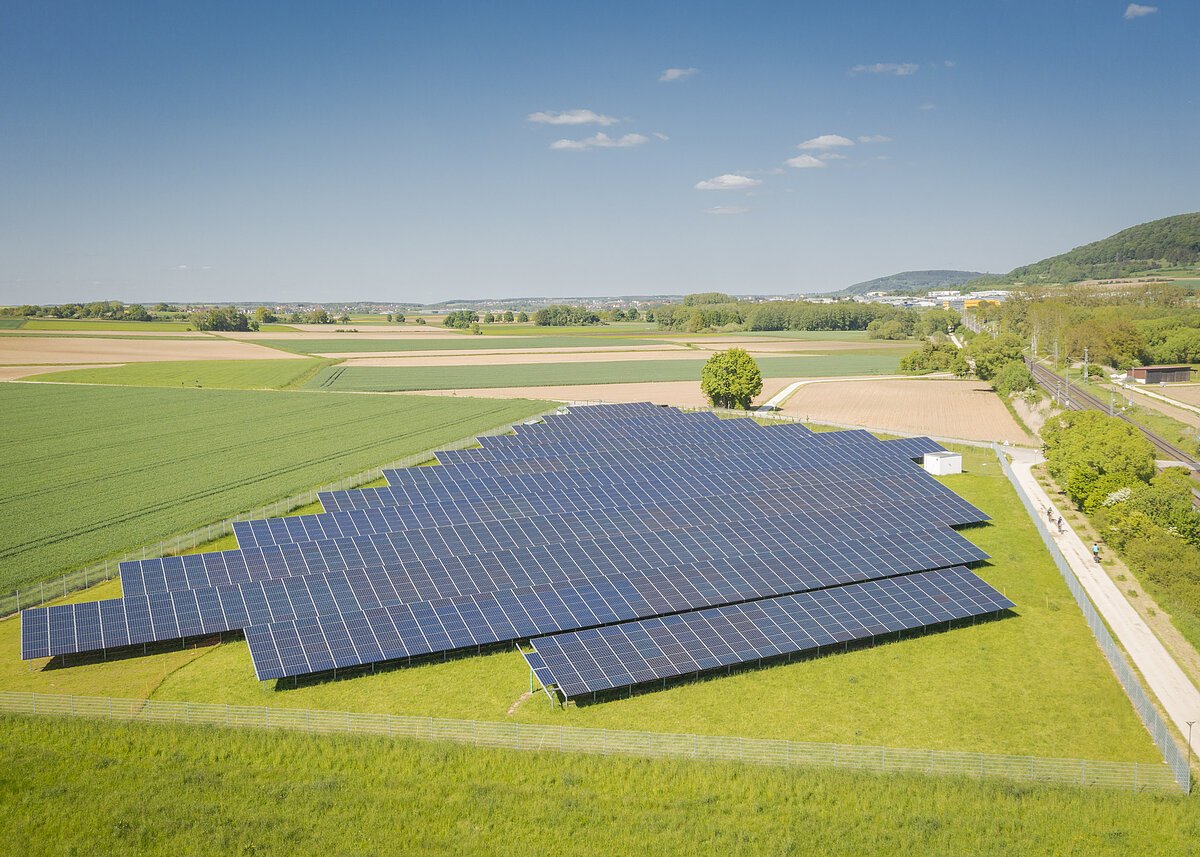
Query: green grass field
[
  {"x": 449, "y": 342},
  {"x": 221, "y": 374},
  {"x": 94, "y": 471},
  {"x": 83, "y": 787},
  {"x": 401, "y": 378},
  {"x": 1034, "y": 683},
  {"x": 11, "y": 323}
]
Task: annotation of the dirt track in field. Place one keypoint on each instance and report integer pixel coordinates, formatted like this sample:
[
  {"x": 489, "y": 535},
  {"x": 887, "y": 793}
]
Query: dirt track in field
[
  {"x": 966, "y": 409},
  {"x": 27, "y": 351},
  {"x": 679, "y": 393}
]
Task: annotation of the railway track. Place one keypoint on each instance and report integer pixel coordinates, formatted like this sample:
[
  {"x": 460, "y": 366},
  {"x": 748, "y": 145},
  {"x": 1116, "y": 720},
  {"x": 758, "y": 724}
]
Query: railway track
[{"x": 1076, "y": 399}]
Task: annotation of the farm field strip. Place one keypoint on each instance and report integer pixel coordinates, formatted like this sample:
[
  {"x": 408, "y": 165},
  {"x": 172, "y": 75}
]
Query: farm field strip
[
  {"x": 450, "y": 341},
  {"x": 93, "y": 471},
  {"x": 966, "y": 409},
  {"x": 392, "y": 379},
  {"x": 26, "y": 351},
  {"x": 221, "y": 374}
]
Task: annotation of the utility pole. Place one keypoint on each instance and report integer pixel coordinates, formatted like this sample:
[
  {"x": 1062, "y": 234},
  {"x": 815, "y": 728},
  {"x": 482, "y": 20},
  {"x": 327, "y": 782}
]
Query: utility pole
[{"x": 1085, "y": 363}]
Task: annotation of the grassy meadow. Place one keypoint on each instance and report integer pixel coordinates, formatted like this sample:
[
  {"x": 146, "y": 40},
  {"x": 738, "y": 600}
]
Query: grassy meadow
[
  {"x": 85, "y": 787},
  {"x": 94, "y": 471},
  {"x": 219, "y": 374},
  {"x": 406, "y": 378}
]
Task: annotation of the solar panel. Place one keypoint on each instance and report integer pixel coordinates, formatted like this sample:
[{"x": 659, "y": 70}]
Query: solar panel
[
  {"x": 600, "y": 516},
  {"x": 665, "y": 647},
  {"x": 512, "y": 614}
]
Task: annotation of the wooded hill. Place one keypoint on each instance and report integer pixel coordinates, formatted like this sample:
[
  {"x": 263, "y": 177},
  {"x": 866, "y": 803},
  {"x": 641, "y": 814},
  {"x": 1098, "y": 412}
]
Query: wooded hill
[
  {"x": 911, "y": 282},
  {"x": 1169, "y": 242}
]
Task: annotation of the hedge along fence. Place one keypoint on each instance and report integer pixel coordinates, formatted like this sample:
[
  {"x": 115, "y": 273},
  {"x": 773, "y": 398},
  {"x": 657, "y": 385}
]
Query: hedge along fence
[
  {"x": 100, "y": 571},
  {"x": 1126, "y": 776}
]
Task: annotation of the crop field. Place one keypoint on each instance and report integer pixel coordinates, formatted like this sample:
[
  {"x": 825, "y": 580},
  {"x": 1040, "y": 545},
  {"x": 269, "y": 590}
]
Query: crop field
[
  {"x": 11, "y": 323},
  {"x": 1034, "y": 683},
  {"x": 94, "y": 471},
  {"x": 966, "y": 409},
  {"x": 221, "y": 374},
  {"x": 204, "y": 790},
  {"x": 390, "y": 379},
  {"x": 448, "y": 342},
  {"x": 92, "y": 324}
]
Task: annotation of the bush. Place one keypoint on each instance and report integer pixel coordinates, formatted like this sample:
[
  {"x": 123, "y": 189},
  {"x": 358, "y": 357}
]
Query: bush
[
  {"x": 1013, "y": 377},
  {"x": 935, "y": 357}
]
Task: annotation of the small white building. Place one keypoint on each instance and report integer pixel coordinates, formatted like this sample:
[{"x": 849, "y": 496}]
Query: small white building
[{"x": 942, "y": 463}]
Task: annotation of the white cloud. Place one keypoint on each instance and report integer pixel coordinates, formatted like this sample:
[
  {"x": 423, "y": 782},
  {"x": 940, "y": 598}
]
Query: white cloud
[
  {"x": 900, "y": 69},
  {"x": 677, "y": 74},
  {"x": 802, "y": 162},
  {"x": 729, "y": 181},
  {"x": 874, "y": 138},
  {"x": 826, "y": 141},
  {"x": 833, "y": 156},
  {"x": 726, "y": 209},
  {"x": 1134, "y": 10},
  {"x": 578, "y": 116},
  {"x": 600, "y": 140},
  {"x": 660, "y": 135},
  {"x": 927, "y": 106},
  {"x": 950, "y": 63}
]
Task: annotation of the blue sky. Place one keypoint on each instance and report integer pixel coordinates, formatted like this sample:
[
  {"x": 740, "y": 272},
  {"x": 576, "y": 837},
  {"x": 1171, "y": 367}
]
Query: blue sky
[{"x": 406, "y": 151}]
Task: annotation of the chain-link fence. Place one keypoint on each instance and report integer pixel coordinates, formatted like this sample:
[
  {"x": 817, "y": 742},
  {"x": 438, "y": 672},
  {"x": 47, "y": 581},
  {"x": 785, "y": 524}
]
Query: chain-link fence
[
  {"x": 98, "y": 572},
  {"x": 1173, "y": 755},
  {"x": 1129, "y": 776}
]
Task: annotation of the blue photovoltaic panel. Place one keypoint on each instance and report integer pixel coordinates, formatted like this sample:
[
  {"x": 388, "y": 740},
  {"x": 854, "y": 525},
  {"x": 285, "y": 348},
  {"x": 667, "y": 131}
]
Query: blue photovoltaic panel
[
  {"x": 600, "y": 516},
  {"x": 785, "y": 569},
  {"x": 665, "y": 647},
  {"x": 522, "y": 612}
]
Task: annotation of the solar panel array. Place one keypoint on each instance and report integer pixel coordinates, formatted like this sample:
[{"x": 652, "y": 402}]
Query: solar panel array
[{"x": 609, "y": 517}]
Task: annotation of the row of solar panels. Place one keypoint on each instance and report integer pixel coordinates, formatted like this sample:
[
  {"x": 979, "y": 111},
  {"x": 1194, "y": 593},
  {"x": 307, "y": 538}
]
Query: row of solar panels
[
  {"x": 212, "y": 609},
  {"x": 468, "y": 553},
  {"x": 619, "y": 656}
]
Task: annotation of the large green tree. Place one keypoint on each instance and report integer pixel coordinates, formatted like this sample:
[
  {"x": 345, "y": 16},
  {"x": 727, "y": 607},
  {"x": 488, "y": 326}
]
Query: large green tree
[
  {"x": 731, "y": 379},
  {"x": 1084, "y": 446}
]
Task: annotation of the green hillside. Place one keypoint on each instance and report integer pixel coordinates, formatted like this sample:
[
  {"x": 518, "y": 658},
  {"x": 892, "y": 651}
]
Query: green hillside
[
  {"x": 1160, "y": 244},
  {"x": 911, "y": 282}
]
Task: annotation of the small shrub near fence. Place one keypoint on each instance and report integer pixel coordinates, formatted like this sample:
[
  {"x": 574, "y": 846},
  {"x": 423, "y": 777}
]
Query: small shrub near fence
[
  {"x": 98, "y": 572},
  {"x": 1130, "y": 776}
]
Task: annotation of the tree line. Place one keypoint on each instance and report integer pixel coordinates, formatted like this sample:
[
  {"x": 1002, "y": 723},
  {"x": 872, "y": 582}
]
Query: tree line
[
  {"x": 1131, "y": 325},
  {"x": 1106, "y": 467}
]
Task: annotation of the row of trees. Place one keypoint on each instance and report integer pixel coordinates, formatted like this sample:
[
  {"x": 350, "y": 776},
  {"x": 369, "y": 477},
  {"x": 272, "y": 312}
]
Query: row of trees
[
  {"x": 1136, "y": 324},
  {"x": 1107, "y": 469},
  {"x": 563, "y": 315},
  {"x": 108, "y": 310},
  {"x": 717, "y": 311}
]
